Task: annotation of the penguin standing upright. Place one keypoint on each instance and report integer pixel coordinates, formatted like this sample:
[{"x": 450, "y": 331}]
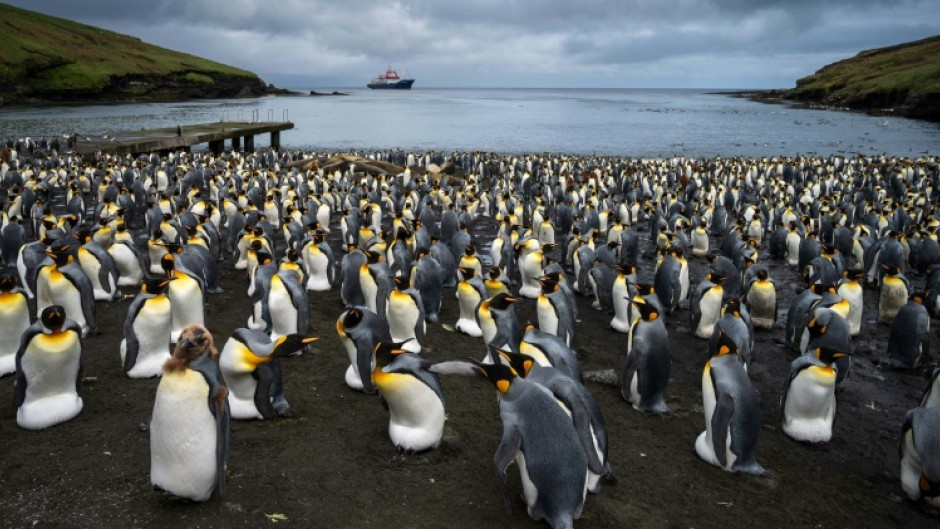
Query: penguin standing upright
[
  {"x": 14, "y": 320},
  {"x": 186, "y": 297},
  {"x": 286, "y": 305},
  {"x": 893, "y": 294},
  {"x": 706, "y": 305},
  {"x": 732, "y": 413},
  {"x": 470, "y": 292},
  {"x": 351, "y": 291},
  {"x": 809, "y": 399},
  {"x": 252, "y": 372},
  {"x": 147, "y": 328},
  {"x": 530, "y": 268},
  {"x": 374, "y": 279},
  {"x": 361, "y": 330},
  {"x": 127, "y": 261},
  {"x": 762, "y": 300},
  {"x": 668, "y": 284},
  {"x": 499, "y": 323},
  {"x": 700, "y": 239},
  {"x": 318, "y": 262},
  {"x": 190, "y": 424},
  {"x": 620, "y": 297},
  {"x": 405, "y": 316},
  {"x": 542, "y": 439},
  {"x": 909, "y": 339},
  {"x": 919, "y": 449},
  {"x": 851, "y": 290},
  {"x": 48, "y": 371},
  {"x": 63, "y": 282},
  {"x": 646, "y": 372},
  {"x": 413, "y": 397},
  {"x": 555, "y": 313},
  {"x": 426, "y": 279}
]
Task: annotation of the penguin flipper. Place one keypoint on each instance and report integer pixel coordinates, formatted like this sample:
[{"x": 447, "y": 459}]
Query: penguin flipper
[
  {"x": 19, "y": 381},
  {"x": 721, "y": 422},
  {"x": 132, "y": 344},
  {"x": 569, "y": 394},
  {"x": 451, "y": 367},
  {"x": 505, "y": 454},
  {"x": 629, "y": 371},
  {"x": 262, "y": 396},
  {"x": 364, "y": 354},
  {"x": 104, "y": 274},
  {"x": 219, "y": 407}
]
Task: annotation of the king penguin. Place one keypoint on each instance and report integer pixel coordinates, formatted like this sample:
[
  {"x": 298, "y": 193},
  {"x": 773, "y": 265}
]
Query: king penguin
[
  {"x": 893, "y": 294},
  {"x": 405, "y": 316},
  {"x": 252, "y": 372},
  {"x": 554, "y": 310},
  {"x": 146, "y": 344},
  {"x": 190, "y": 424},
  {"x": 646, "y": 372},
  {"x": 541, "y": 438},
  {"x": 919, "y": 449},
  {"x": 48, "y": 371},
  {"x": 909, "y": 339},
  {"x": 761, "y": 296},
  {"x": 413, "y": 397},
  {"x": 470, "y": 292},
  {"x": 732, "y": 413},
  {"x": 809, "y": 399},
  {"x": 14, "y": 320},
  {"x": 361, "y": 330},
  {"x": 63, "y": 282},
  {"x": 706, "y": 305},
  {"x": 186, "y": 297}
]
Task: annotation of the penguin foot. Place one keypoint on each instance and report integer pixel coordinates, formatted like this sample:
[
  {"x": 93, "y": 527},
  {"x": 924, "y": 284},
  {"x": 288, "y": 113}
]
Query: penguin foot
[{"x": 284, "y": 410}]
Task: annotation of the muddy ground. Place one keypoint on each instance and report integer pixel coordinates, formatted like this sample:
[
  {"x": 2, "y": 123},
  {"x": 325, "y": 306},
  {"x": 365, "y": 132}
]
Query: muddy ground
[{"x": 333, "y": 465}]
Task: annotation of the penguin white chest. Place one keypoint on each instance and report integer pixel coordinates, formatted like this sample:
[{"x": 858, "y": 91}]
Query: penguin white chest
[
  {"x": 548, "y": 318},
  {"x": 50, "y": 364},
  {"x": 183, "y": 437},
  {"x": 810, "y": 406},
  {"x": 186, "y": 303},
  {"x": 416, "y": 420},
  {"x": 281, "y": 309},
  {"x": 402, "y": 313},
  {"x": 14, "y": 319},
  {"x": 54, "y": 288},
  {"x": 316, "y": 263},
  {"x": 152, "y": 327},
  {"x": 369, "y": 287}
]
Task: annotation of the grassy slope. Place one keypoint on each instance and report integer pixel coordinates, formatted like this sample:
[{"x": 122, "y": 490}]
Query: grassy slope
[
  {"x": 41, "y": 54},
  {"x": 892, "y": 77}
]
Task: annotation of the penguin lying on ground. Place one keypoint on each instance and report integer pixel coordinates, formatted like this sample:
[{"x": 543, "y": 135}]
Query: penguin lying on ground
[{"x": 252, "y": 372}]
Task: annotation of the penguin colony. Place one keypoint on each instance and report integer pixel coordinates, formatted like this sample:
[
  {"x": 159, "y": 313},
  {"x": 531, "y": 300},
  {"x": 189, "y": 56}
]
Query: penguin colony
[{"x": 75, "y": 232}]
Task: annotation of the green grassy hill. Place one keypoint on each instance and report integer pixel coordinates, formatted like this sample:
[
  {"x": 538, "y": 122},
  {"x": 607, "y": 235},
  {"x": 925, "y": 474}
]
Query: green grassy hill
[
  {"x": 902, "y": 79},
  {"x": 44, "y": 58}
]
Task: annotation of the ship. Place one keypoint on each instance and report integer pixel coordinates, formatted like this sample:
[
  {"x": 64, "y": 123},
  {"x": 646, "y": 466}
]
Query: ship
[{"x": 391, "y": 80}]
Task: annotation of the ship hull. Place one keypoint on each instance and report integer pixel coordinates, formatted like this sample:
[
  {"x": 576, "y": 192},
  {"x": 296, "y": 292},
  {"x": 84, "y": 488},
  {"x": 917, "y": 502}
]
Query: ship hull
[{"x": 404, "y": 84}]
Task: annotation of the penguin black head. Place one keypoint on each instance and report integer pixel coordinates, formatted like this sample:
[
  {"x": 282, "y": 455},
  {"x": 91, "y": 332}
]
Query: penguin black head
[
  {"x": 293, "y": 255},
  {"x": 53, "y": 317},
  {"x": 351, "y": 318},
  {"x": 644, "y": 289},
  {"x": 891, "y": 270},
  {"x": 733, "y": 307},
  {"x": 493, "y": 272},
  {"x": 648, "y": 311},
  {"x": 501, "y": 301},
  {"x": 60, "y": 255},
  {"x": 400, "y": 282},
  {"x": 916, "y": 297},
  {"x": 154, "y": 286},
  {"x": 290, "y": 344},
  {"x": 549, "y": 283},
  {"x": 717, "y": 278},
  {"x": 385, "y": 352},
  {"x": 373, "y": 257},
  {"x": 7, "y": 282},
  {"x": 725, "y": 345},
  {"x": 168, "y": 264},
  {"x": 501, "y": 375},
  {"x": 827, "y": 355},
  {"x": 174, "y": 248},
  {"x": 467, "y": 273},
  {"x": 469, "y": 250},
  {"x": 520, "y": 363},
  {"x": 820, "y": 289}
]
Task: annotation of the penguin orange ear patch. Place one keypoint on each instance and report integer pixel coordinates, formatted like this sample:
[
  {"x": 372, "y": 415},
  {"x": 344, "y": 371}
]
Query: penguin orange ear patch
[{"x": 502, "y": 386}]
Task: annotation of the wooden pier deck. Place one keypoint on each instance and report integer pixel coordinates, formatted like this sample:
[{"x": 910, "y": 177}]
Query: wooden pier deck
[{"x": 165, "y": 139}]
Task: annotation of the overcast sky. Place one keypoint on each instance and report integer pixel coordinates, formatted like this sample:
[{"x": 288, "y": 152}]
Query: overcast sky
[{"x": 516, "y": 43}]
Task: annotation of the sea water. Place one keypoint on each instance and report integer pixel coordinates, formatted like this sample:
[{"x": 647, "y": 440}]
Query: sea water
[{"x": 630, "y": 122}]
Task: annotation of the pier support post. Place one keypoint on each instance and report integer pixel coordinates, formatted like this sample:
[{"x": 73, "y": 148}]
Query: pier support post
[
  {"x": 249, "y": 144},
  {"x": 217, "y": 147},
  {"x": 276, "y": 140},
  {"x": 236, "y": 143}
]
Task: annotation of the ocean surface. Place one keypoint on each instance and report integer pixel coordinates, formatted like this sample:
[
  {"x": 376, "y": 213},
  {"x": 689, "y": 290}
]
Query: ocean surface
[{"x": 629, "y": 122}]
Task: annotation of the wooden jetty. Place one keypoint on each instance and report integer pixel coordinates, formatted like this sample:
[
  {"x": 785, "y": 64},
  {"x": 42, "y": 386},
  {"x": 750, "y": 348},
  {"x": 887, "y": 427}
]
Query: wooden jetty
[{"x": 183, "y": 138}]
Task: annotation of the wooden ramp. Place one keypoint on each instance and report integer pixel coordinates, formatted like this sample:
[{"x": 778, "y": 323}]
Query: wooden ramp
[{"x": 166, "y": 139}]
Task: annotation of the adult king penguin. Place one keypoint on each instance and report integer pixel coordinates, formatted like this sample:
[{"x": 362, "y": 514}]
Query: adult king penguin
[
  {"x": 809, "y": 399},
  {"x": 732, "y": 413},
  {"x": 646, "y": 372},
  {"x": 48, "y": 371},
  {"x": 14, "y": 319},
  {"x": 146, "y": 344},
  {"x": 249, "y": 364}
]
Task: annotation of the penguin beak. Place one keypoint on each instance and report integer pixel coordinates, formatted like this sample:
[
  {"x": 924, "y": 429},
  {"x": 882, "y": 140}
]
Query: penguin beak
[{"x": 511, "y": 300}]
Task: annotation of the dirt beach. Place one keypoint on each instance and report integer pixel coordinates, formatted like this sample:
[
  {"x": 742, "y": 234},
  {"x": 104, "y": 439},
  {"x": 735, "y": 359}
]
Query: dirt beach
[{"x": 332, "y": 465}]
